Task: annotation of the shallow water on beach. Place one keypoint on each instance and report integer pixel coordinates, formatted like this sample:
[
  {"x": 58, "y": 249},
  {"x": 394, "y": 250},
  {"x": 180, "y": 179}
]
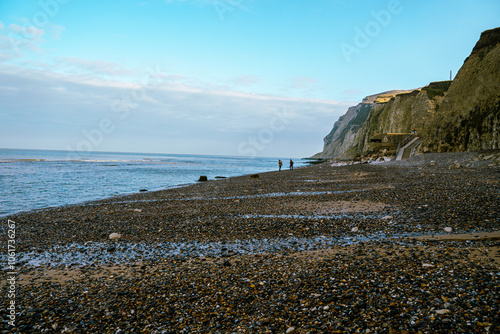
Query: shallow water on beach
[
  {"x": 101, "y": 253},
  {"x": 35, "y": 179},
  {"x": 296, "y": 193}
]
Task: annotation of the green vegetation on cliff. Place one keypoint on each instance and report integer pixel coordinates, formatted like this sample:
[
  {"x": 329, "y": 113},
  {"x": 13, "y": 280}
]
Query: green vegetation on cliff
[{"x": 458, "y": 115}]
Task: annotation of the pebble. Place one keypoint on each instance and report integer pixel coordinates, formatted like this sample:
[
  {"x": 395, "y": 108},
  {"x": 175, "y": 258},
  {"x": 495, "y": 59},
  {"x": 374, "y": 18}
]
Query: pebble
[
  {"x": 226, "y": 257},
  {"x": 113, "y": 236}
]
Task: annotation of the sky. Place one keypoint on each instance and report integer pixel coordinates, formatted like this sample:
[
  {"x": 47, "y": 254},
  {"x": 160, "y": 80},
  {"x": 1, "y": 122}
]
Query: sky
[{"x": 218, "y": 77}]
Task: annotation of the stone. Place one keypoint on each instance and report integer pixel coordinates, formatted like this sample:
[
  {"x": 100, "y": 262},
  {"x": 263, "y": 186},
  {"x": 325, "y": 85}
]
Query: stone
[
  {"x": 143, "y": 190},
  {"x": 448, "y": 229},
  {"x": 354, "y": 229},
  {"x": 254, "y": 176},
  {"x": 290, "y": 330},
  {"x": 443, "y": 311},
  {"x": 432, "y": 163},
  {"x": 203, "y": 178},
  {"x": 427, "y": 265},
  {"x": 115, "y": 236}
]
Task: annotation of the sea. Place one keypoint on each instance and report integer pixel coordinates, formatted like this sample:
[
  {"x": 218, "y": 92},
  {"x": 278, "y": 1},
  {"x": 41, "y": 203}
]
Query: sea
[{"x": 38, "y": 179}]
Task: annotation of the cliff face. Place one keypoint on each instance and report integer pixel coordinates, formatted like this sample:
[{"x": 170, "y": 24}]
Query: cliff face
[
  {"x": 458, "y": 115},
  {"x": 342, "y": 140},
  {"x": 344, "y": 131},
  {"x": 388, "y": 112},
  {"x": 469, "y": 117}
]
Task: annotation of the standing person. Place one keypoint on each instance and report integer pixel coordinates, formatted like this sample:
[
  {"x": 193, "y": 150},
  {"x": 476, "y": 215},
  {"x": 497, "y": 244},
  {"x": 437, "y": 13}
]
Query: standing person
[
  {"x": 291, "y": 164},
  {"x": 280, "y": 163}
]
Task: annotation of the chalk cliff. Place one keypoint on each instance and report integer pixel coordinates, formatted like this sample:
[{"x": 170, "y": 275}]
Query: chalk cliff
[{"x": 458, "y": 115}]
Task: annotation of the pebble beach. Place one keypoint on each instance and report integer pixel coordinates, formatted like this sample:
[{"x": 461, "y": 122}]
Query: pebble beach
[{"x": 393, "y": 247}]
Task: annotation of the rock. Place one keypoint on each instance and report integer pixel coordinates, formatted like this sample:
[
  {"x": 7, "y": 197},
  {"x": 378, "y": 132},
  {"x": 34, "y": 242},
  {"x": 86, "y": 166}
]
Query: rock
[
  {"x": 290, "y": 330},
  {"x": 220, "y": 177},
  {"x": 387, "y": 217},
  {"x": 432, "y": 163},
  {"x": 254, "y": 176},
  {"x": 143, "y": 190},
  {"x": 137, "y": 210},
  {"x": 354, "y": 229},
  {"x": 456, "y": 165},
  {"x": 326, "y": 308},
  {"x": 443, "y": 311},
  {"x": 488, "y": 157},
  {"x": 448, "y": 229},
  {"x": 427, "y": 265},
  {"x": 203, "y": 178},
  {"x": 114, "y": 236}
]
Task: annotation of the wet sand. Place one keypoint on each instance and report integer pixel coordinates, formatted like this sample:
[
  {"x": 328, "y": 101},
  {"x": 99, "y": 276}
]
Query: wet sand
[{"x": 321, "y": 249}]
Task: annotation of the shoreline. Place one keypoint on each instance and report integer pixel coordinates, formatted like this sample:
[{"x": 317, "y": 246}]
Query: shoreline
[
  {"x": 40, "y": 185},
  {"x": 320, "y": 249},
  {"x": 95, "y": 201},
  {"x": 449, "y": 159}
]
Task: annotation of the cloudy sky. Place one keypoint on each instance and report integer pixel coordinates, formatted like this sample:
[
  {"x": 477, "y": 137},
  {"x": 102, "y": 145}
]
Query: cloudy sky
[{"x": 223, "y": 77}]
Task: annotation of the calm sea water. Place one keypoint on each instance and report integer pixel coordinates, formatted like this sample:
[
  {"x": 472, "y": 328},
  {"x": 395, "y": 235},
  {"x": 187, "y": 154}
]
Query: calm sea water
[{"x": 36, "y": 179}]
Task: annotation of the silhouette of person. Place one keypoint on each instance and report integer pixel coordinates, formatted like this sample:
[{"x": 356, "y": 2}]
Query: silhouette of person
[
  {"x": 280, "y": 163},
  {"x": 291, "y": 164}
]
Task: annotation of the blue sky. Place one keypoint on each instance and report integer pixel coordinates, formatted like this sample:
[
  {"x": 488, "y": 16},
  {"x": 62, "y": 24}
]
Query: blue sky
[{"x": 229, "y": 77}]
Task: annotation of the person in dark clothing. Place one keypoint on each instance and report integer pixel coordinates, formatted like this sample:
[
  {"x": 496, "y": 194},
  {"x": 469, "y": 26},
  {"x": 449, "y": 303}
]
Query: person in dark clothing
[
  {"x": 280, "y": 163},
  {"x": 291, "y": 164}
]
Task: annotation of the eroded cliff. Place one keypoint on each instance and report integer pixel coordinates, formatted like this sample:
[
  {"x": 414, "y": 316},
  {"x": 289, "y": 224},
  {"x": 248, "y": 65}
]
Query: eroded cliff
[
  {"x": 468, "y": 119},
  {"x": 458, "y": 115}
]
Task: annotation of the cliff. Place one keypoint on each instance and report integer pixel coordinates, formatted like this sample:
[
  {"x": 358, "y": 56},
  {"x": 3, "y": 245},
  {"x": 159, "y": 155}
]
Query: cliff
[
  {"x": 468, "y": 119},
  {"x": 458, "y": 115}
]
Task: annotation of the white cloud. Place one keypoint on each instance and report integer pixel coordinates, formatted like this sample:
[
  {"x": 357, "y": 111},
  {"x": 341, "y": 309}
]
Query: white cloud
[
  {"x": 159, "y": 111},
  {"x": 56, "y": 30},
  {"x": 303, "y": 82},
  {"x": 16, "y": 41},
  {"x": 245, "y": 80},
  {"x": 94, "y": 66},
  {"x": 28, "y": 32}
]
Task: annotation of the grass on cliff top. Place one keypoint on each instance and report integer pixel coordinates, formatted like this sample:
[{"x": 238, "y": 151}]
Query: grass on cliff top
[
  {"x": 384, "y": 98},
  {"x": 437, "y": 88}
]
